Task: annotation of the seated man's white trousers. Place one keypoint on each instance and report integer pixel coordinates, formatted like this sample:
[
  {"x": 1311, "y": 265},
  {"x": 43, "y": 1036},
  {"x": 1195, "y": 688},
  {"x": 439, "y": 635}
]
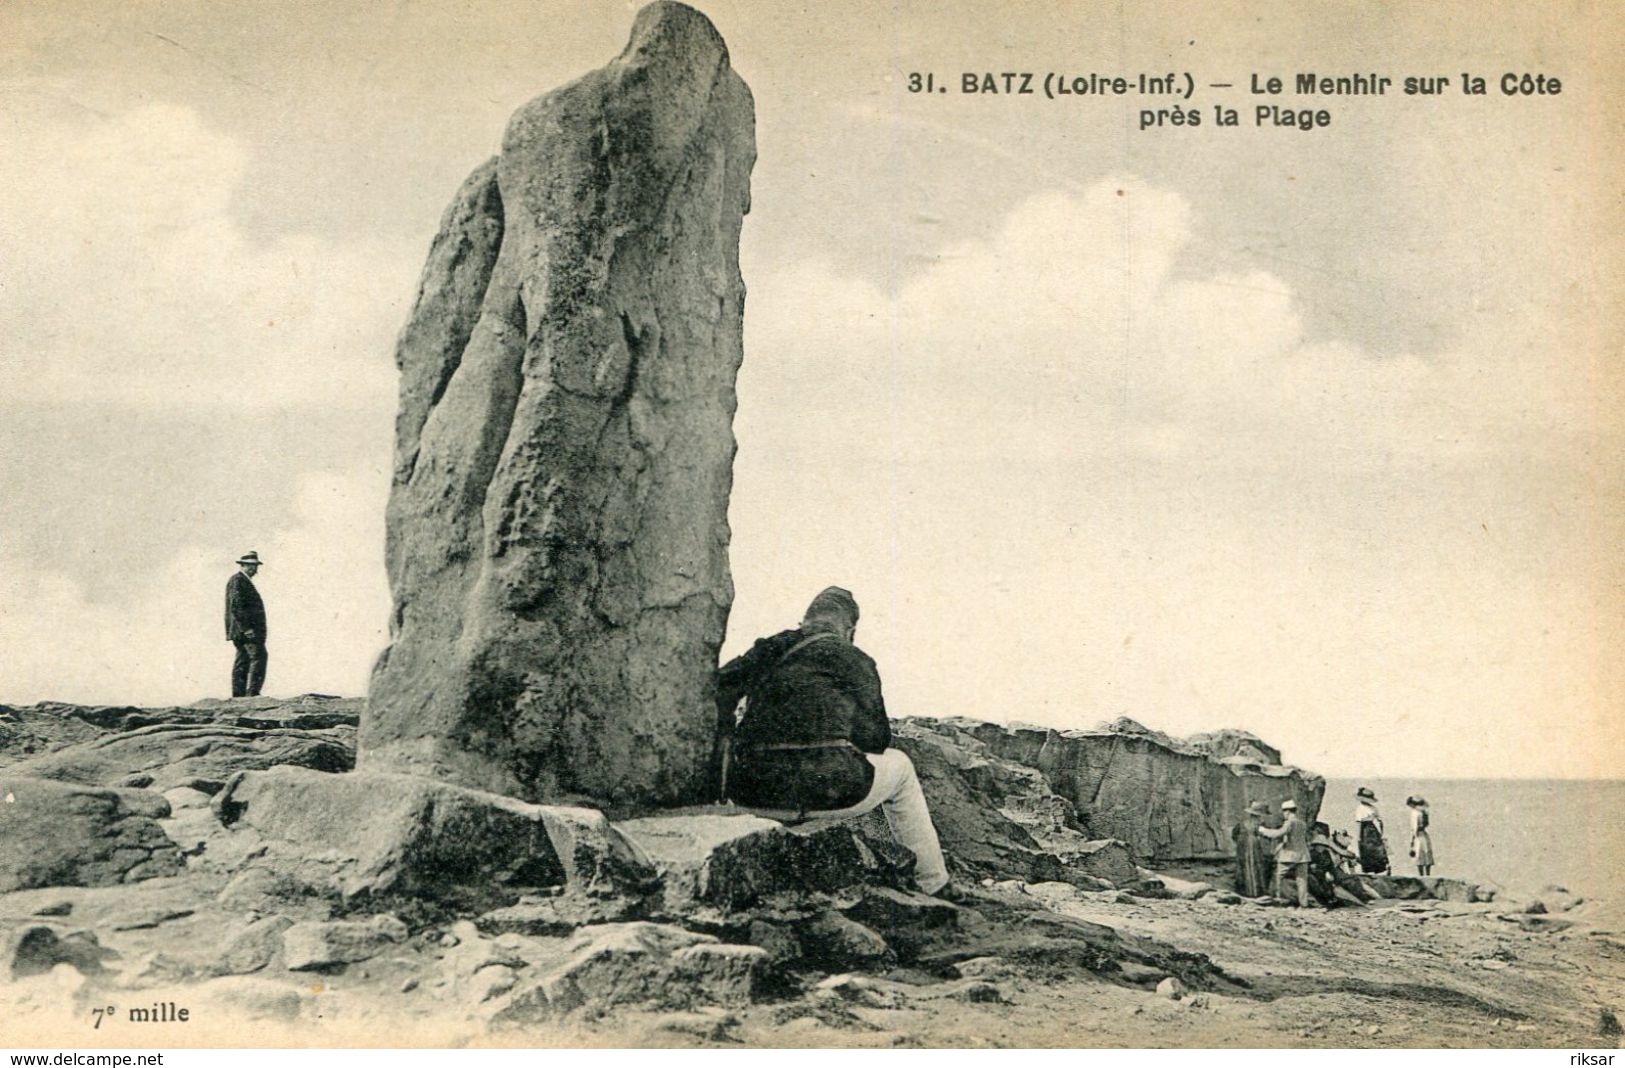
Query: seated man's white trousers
[{"x": 896, "y": 792}]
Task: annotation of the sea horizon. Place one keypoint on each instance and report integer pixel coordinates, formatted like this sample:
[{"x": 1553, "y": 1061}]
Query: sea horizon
[{"x": 1518, "y": 835}]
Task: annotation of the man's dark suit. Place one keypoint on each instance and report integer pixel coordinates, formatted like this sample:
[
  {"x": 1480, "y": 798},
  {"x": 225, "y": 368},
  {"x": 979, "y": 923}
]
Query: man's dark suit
[{"x": 245, "y": 628}]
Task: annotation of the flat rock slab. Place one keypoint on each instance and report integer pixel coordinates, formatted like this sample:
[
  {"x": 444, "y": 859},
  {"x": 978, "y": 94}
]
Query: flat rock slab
[
  {"x": 733, "y": 861},
  {"x": 648, "y": 964},
  {"x": 31, "y": 730},
  {"x": 559, "y": 915},
  {"x": 366, "y": 835},
  {"x": 203, "y": 756},
  {"x": 1430, "y": 888},
  {"x": 314, "y": 946},
  {"x": 61, "y": 834},
  {"x": 1107, "y": 858}
]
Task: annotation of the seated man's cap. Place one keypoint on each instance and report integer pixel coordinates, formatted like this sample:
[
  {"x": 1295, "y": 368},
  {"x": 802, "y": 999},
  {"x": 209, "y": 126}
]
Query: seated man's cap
[{"x": 833, "y": 601}]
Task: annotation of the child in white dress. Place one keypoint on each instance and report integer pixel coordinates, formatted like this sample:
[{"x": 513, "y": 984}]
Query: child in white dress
[{"x": 1421, "y": 841}]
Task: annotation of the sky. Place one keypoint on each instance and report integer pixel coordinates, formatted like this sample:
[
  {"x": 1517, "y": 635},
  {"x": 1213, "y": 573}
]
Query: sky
[{"x": 1312, "y": 433}]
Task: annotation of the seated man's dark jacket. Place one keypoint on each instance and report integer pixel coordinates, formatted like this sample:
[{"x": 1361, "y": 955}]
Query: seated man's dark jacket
[{"x": 827, "y": 691}]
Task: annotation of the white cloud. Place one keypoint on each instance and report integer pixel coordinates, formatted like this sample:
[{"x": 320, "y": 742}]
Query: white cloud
[
  {"x": 1073, "y": 328},
  {"x": 1070, "y": 478},
  {"x": 127, "y": 278},
  {"x": 162, "y": 640}
]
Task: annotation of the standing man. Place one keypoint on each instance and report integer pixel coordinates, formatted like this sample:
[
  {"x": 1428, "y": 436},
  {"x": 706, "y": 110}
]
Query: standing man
[
  {"x": 245, "y": 628},
  {"x": 1292, "y": 855},
  {"x": 815, "y": 739}
]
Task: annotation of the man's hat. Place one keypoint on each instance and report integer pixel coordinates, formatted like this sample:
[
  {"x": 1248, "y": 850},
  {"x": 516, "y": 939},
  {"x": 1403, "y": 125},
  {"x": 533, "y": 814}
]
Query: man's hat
[
  {"x": 1365, "y": 792},
  {"x": 1417, "y": 801},
  {"x": 1258, "y": 808},
  {"x": 833, "y": 601},
  {"x": 1289, "y": 805},
  {"x": 250, "y": 558}
]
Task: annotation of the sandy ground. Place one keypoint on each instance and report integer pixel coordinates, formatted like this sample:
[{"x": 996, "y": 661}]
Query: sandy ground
[{"x": 1402, "y": 975}]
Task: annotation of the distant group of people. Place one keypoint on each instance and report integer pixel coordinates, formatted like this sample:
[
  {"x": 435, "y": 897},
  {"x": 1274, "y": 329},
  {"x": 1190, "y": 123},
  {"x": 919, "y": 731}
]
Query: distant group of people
[{"x": 1318, "y": 862}]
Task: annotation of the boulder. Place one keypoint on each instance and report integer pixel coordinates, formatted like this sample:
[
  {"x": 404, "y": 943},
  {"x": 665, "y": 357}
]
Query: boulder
[
  {"x": 889, "y": 911},
  {"x": 909, "y": 922},
  {"x": 252, "y": 948},
  {"x": 27, "y": 731},
  {"x": 722, "y": 975},
  {"x": 1105, "y": 858},
  {"x": 860, "y": 990},
  {"x": 1168, "y": 799},
  {"x": 62, "y": 834},
  {"x": 168, "y": 755},
  {"x": 1458, "y": 890},
  {"x": 979, "y": 992},
  {"x": 308, "y": 946},
  {"x": 243, "y": 998},
  {"x": 835, "y": 943},
  {"x": 632, "y": 964},
  {"x": 36, "y": 948},
  {"x": 1230, "y": 744},
  {"x": 560, "y": 914},
  {"x": 999, "y": 818},
  {"x": 733, "y": 861},
  {"x": 365, "y": 837},
  {"x": 707, "y": 1025},
  {"x": 1182, "y": 889},
  {"x": 489, "y": 983},
  {"x": 557, "y": 528},
  {"x": 778, "y": 941}
]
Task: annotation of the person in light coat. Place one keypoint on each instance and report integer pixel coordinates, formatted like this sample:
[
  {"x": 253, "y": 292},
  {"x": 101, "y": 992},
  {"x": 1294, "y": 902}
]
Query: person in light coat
[{"x": 1292, "y": 856}]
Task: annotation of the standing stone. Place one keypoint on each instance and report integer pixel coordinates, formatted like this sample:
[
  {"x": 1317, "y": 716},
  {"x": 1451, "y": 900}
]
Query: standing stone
[{"x": 557, "y": 530}]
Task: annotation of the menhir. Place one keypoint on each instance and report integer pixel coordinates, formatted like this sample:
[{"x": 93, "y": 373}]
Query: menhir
[{"x": 557, "y": 529}]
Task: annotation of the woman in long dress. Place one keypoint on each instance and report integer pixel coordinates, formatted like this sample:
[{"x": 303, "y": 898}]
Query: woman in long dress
[
  {"x": 1252, "y": 863},
  {"x": 1421, "y": 841},
  {"x": 1373, "y": 847}
]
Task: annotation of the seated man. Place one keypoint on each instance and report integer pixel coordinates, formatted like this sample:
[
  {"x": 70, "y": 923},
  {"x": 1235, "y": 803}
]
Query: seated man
[
  {"x": 815, "y": 739},
  {"x": 1328, "y": 882}
]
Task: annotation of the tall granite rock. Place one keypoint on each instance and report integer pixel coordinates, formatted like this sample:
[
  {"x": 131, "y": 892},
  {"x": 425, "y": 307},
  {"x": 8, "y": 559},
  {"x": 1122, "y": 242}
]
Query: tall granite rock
[{"x": 557, "y": 529}]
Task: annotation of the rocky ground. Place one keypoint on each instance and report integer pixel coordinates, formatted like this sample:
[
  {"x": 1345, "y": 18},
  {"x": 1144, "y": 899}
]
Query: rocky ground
[{"x": 221, "y": 861}]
